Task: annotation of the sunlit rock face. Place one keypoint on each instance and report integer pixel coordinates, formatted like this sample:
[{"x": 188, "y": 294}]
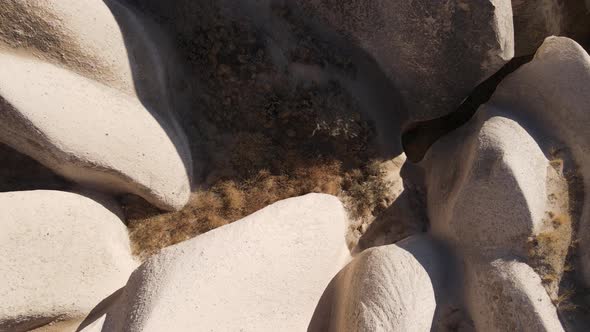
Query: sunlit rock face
[{"x": 241, "y": 165}]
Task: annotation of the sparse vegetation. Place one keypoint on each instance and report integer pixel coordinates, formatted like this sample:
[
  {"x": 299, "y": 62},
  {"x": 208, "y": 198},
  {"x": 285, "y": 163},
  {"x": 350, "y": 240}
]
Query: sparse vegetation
[
  {"x": 262, "y": 134},
  {"x": 227, "y": 201},
  {"x": 553, "y": 252},
  {"x": 549, "y": 248}
]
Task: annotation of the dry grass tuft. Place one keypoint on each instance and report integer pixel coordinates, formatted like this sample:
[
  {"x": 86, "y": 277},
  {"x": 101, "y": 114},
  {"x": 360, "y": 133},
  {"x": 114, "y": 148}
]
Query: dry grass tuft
[
  {"x": 548, "y": 251},
  {"x": 564, "y": 300},
  {"x": 228, "y": 201}
]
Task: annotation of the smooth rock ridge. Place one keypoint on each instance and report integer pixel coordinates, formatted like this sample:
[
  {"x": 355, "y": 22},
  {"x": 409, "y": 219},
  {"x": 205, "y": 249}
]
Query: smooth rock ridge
[
  {"x": 551, "y": 94},
  {"x": 492, "y": 197},
  {"x": 386, "y": 288},
  {"x": 60, "y": 253},
  {"x": 88, "y": 132},
  {"x": 261, "y": 273},
  {"x": 491, "y": 205}
]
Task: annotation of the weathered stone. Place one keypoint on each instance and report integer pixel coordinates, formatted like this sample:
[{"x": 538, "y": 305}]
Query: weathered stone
[
  {"x": 486, "y": 194},
  {"x": 507, "y": 295},
  {"x": 551, "y": 94},
  {"x": 263, "y": 272},
  {"x": 59, "y": 32},
  {"x": 387, "y": 288},
  {"x": 435, "y": 52},
  {"x": 60, "y": 253},
  {"x": 89, "y": 133}
]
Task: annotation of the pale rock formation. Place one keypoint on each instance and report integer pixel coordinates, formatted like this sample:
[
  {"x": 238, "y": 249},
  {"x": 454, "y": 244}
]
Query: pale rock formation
[
  {"x": 106, "y": 42},
  {"x": 262, "y": 273},
  {"x": 386, "y": 288},
  {"x": 486, "y": 194},
  {"x": 83, "y": 36},
  {"x": 435, "y": 52},
  {"x": 551, "y": 92},
  {"x": 60, "y": 254},
  {"x": 490, "y": 189},
  {"x": 507, "y": 295},
  {"x": 88, "y": 132}
]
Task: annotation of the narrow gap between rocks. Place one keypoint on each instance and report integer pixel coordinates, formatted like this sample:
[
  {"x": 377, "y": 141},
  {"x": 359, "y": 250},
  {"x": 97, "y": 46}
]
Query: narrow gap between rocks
[{"x": 422, "y": 135}]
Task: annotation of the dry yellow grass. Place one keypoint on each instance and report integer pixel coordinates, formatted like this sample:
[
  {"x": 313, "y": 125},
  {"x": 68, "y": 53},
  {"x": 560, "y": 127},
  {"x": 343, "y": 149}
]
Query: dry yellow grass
[
  {"x": 548, "y": 251},
  {"x": 228, "y": 201}
]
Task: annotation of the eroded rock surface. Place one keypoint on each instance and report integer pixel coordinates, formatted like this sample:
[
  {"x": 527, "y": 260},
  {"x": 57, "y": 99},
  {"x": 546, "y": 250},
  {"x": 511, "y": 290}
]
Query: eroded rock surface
[
  {"x": 386, "y": 288},
  {"x": 129, "y": 59},
  {"x": 536, "y": 20},
  {"x": 86, "y": 37},
  {"x": 263, "y": 83},
  {"x": 60, "y": 254},
  {"x": 491, "y": 198},
  {"x": 265, "y": 271},
  {"x": 551, "y": 93},
  {"x": 513, "y": 200},
  {"x": 88, "y": 132},
  {"x": 434, "y": 52},
  {"x": 507, "y": 295}
]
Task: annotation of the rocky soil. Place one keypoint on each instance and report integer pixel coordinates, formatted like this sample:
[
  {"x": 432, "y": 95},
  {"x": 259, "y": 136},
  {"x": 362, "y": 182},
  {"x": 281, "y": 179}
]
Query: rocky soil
[{"x": 319, "y": 165}]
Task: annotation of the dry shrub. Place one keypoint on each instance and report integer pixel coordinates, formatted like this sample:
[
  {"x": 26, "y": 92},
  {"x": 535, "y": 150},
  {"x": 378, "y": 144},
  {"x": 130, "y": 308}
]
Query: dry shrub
[
  {"x": 366, "y": 190},
  {"x": 228, "y": 201},
  {"x": 564, "y": 300},
  {"x": 263, "y": 136},
  {"x": 548, "y": 251}
]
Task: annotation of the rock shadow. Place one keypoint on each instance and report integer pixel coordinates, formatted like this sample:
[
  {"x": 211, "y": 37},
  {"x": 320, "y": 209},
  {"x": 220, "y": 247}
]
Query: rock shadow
[{"x": 153, "y": 64}]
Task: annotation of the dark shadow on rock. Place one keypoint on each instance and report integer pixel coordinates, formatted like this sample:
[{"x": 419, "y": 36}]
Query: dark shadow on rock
[
  {"x": 102, "y": 308},
  {"x": 19, "y": 172},
  {"x": 377, "y": 97},
  {"x": 321, "y": 318},
  {"x": 405, "y": 217},
  {"x": 574, "y": 309},
  {"x": 107, "y": 200},
  {"x": 154, "y": 65},
  {"x": 417, "y": 140},
  {"x": 272, "y": 97},
  {"x": 446, "y": 278}
]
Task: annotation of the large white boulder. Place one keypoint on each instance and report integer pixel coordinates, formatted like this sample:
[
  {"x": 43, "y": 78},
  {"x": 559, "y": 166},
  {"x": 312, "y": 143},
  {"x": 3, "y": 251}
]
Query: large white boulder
[
  {"x": 552, "y": 93},
  {"x": 490, "y": 190},
  {"x": 386, "y": 288},
  {"x": 507, "y": 295},
  {"x": 261, "y": 273},
  {"x": 434, "y": 52},
  {"x": 60, "y": 254},
  {"x": 486, "y": 194},
  {"x": 500, "y": 193},
  {"x": 89, "y": 133}
]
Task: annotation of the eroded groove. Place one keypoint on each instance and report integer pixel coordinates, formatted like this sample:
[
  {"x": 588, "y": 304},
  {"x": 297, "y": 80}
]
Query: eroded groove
[{"x": 417, "y": 140}]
